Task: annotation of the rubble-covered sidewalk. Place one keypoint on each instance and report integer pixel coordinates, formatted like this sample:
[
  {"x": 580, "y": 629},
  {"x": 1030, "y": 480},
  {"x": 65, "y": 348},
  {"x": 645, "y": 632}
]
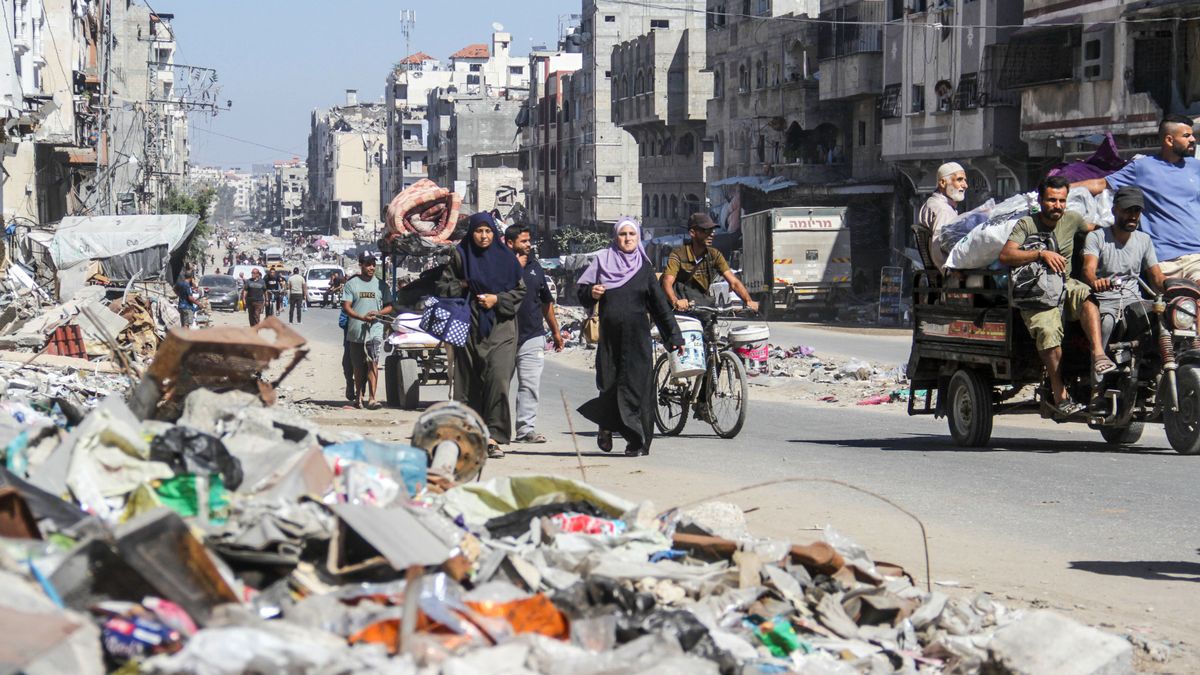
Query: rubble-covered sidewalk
[{"x": 199, "y": 529}]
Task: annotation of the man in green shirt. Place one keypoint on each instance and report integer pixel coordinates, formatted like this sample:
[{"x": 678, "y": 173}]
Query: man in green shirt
[
  {"x": 1046, "y": 325},
  {"x": 365, "y": 300},
  {"x": 696, "y": 265}
]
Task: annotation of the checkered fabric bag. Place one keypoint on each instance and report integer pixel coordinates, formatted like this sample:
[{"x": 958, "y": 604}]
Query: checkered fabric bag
[{"x": 447, "y": 319}]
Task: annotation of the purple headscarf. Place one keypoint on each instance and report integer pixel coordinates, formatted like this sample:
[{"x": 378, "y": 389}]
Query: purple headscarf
[{"x": 612, "y": 267}]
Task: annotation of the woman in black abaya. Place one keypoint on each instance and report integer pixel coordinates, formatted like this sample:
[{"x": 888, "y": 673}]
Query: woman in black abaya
[
  {"x": 621, "y": 286},
  {"x": 484, "y": 270}
]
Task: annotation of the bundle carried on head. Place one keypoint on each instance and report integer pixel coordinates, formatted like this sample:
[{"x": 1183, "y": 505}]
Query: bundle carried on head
[{"x": 423, "y": 209}]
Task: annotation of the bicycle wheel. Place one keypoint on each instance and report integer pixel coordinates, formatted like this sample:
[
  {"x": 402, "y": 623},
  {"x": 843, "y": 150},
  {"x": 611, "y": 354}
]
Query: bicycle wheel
[
  {"x": 671, "y": 399},
  {"x": 728, "y": 394}
]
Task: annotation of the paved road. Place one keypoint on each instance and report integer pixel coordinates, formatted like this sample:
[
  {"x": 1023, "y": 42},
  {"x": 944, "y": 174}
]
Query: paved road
[{"x": 1124, "y": 520}]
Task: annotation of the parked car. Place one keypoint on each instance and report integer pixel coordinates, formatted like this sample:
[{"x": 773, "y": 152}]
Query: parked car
[
  {"x": 318, "y": 277},
  {"x": 221, "y": 290}
]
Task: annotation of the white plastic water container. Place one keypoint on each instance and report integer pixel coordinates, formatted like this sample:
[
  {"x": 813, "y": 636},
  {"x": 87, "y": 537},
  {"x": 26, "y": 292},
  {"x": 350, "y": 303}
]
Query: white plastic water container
[
  {"x": 691, "y": 362},
  {"x": 750, "y": 343}
]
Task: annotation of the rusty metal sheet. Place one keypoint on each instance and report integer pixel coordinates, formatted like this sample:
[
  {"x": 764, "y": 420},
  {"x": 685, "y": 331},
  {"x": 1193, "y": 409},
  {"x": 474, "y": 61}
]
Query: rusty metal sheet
[{"x": 224, "y": 359}]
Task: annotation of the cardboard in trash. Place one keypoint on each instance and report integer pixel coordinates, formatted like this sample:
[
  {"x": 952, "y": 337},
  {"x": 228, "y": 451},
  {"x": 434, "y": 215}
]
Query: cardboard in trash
[
  {"x": 368, "y": 537},
  {"x": 153, "y": 554}
]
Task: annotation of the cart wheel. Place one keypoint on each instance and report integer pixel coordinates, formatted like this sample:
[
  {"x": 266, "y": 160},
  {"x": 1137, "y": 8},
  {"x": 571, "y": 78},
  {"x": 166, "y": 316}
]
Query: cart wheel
[
  {"x": 1183, "y": 427},
  {"x": 391, "y": 376},
  {"x": 408, "y": 383},
  {"x": 969, "y": 409},
  {"x": 1123, "y": 435}
]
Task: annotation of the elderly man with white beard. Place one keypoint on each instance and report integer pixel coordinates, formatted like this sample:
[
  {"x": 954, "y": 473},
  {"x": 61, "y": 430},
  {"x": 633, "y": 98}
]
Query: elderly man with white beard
[{"x": 942, "y": 206}]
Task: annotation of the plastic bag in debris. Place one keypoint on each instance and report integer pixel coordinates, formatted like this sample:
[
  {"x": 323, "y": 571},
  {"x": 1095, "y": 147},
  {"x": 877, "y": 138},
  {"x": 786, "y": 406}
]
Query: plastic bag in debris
[
  {"x": 856, "y": 369},
  {"x": 187, "y": 450},
  {"x": 854, "y": 554},
  {"x": 981, "y": 246},
  {"x": 238, "y": 649},
  {"x": 656, "y": 653},
  {"x": 181, "y": 494},
  {"x": 111, "y": 461},
  {"x": 404, "y": 462},
  {"x": 517, "y": 523},
  {"x": 476, "y": 503}
]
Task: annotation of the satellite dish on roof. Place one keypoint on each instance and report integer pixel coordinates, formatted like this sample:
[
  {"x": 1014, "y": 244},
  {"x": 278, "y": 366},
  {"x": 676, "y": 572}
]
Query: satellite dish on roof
[{"x": 497, "y": 26}]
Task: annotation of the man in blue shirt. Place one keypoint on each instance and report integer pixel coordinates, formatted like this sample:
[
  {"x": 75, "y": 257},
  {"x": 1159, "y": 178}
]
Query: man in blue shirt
[
  {"x": 537, "y": 305},
  {"x": 1170, "y": 181},
  {"x": 185, "y": 290}
]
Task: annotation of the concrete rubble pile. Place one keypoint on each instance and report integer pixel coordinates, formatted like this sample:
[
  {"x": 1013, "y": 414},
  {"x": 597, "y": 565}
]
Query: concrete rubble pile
[
  {"x": 830, "y": 379},
  {"x": 198, "y": 529}
]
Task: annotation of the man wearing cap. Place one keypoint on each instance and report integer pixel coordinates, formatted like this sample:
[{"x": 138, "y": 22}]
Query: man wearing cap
[
  {"x": 365, "y": 299},
  {"x": 942, "y": 206},
  {"x": 1170, "y": 182},
  {"x": 1113, "y": 259},
  {"x": 693, "y": 267}
]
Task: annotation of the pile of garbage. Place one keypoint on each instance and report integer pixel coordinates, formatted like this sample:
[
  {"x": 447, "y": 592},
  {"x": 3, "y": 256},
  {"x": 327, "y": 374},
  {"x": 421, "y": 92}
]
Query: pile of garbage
[
  {"x": 190, "y": 531},
  {"x": 834, "y": 380}
]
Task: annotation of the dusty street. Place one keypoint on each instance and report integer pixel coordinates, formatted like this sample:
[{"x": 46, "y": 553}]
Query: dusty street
[{"x": 1047, "y": 517}]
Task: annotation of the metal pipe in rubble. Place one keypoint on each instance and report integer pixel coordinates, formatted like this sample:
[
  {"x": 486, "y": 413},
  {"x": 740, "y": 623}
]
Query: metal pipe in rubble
[
  {"x": 455, "y": 438},
  {"x": 445, "y": 458}
]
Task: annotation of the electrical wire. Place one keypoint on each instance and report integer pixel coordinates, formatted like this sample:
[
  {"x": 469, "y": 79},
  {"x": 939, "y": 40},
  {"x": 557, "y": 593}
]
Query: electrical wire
[{"x": 645, "y": 4}]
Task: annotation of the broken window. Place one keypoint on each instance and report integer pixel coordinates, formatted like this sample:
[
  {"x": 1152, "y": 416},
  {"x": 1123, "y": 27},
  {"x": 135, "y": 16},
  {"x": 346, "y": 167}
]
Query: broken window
[
  {"x": 1040, "y": 57},
  {"x": 889, "y": 103},
  {"x": 967, "y": 95},
  {"x": 944, "y": 91}
]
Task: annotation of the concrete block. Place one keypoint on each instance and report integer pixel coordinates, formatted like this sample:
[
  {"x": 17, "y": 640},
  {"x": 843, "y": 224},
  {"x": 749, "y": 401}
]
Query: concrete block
[{"x": 1045, "y": 642}]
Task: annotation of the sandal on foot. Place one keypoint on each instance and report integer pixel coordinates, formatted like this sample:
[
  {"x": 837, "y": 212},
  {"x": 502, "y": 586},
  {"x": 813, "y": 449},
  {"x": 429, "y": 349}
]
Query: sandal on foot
[
  {"x": 1103, "y": 366},
  {"x": 534, "y": 438},
  {"x": 604, "y": 441},
  {"x": 494, "y": 451},
  {"x": 1068, "y": 407},
  {"x": 373, "y": 405}
]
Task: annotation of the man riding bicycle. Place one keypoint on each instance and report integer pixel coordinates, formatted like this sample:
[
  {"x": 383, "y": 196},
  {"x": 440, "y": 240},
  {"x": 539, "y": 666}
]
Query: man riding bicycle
[{"x": 693, "y": 267}]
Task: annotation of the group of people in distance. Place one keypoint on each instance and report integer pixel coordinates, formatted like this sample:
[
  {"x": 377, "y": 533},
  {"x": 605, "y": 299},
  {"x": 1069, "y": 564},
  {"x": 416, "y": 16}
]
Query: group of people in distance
[
  {"x": 509, "y": 299},
  {"x": 1155, "y": 235}
]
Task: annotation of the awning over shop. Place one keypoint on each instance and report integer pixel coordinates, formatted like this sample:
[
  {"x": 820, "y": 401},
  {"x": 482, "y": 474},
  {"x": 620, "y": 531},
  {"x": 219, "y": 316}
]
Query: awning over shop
[{"x": 761, "y": 183}]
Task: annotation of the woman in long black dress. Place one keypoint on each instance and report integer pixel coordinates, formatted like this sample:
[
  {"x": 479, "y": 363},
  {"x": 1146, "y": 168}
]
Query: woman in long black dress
[
  {"x": 621, "y": 286},
  {"x": 486, "y": 272}
]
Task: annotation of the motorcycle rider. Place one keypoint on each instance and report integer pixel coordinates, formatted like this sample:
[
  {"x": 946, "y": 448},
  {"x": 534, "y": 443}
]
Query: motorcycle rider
[{"x": 1122, "y": 252}]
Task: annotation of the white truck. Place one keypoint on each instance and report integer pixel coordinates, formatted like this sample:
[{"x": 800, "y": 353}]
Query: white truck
[{"x": 797, "y": 259}]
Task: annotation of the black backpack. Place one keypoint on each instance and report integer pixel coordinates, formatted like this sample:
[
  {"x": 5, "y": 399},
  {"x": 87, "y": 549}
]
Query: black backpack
[{"x": 1034, "y": 285}]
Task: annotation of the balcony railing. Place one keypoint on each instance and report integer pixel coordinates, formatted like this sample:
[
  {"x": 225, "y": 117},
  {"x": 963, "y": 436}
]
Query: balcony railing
[{"x": 854, "y": 29}]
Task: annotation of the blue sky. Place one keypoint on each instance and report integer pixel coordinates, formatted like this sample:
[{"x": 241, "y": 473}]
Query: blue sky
[{"x": 278, "y": 59}]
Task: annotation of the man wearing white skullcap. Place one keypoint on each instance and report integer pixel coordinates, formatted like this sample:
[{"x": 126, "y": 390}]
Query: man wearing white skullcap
[{"x": 942, "y": 206}]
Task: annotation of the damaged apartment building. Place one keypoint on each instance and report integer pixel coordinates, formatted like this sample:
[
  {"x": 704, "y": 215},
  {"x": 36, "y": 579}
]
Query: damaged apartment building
[
  {"x": 793, "y": 118},
  {"x": 346, "y": 149},
  {"x": 549, "y": 143},
  {"x": 423, "y": 145},
  {"x": 660, "y": 91},
  {"x": 1081, "y": 70},
  {"x": 89, "y": 120}
]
